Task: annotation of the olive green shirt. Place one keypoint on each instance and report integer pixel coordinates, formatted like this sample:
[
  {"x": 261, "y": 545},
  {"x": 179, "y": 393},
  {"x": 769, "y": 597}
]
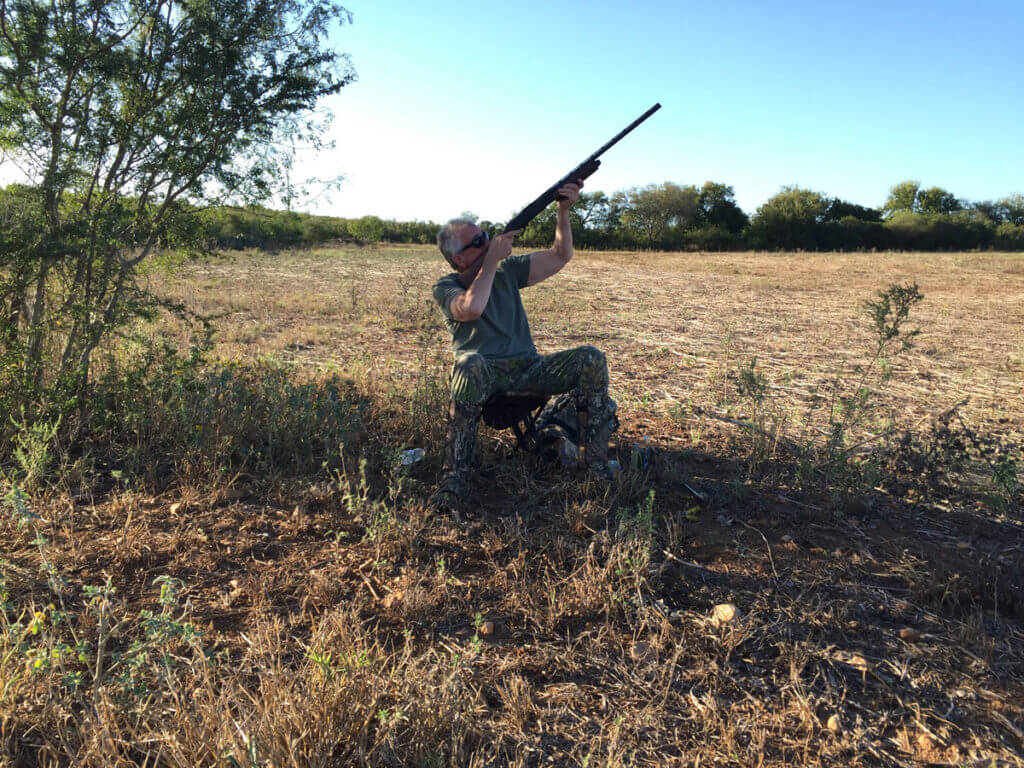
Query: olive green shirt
[{"x": 502, "y": 332}]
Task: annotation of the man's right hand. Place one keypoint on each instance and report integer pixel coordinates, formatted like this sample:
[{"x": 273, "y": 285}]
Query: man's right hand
[
  {"x": 501, "y": 246},
  {"x": 470, "y": 304}
]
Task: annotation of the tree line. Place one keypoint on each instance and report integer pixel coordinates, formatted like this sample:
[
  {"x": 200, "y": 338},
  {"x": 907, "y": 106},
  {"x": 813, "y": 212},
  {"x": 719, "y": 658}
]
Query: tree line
[{"x": 670, "y": 217}]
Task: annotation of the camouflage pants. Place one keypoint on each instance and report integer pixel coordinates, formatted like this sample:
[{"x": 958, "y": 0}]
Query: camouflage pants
[{"x": 582, "y": 371}]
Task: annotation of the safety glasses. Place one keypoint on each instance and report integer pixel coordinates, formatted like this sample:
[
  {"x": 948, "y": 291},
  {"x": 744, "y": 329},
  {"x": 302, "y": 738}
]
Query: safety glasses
[{"x": 477, "y": 242}]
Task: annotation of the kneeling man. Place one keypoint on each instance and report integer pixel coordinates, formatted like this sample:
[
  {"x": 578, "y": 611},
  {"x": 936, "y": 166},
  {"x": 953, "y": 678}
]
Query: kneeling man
[{"x": 494, "y": 350}]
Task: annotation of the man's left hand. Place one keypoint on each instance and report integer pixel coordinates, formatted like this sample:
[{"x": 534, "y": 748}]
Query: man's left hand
[{"x": 568, "y": 194}]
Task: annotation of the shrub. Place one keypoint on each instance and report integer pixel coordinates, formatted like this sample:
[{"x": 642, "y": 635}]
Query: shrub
[
  {"x": 938, "y": 231},
  {"x": 1010, "y": 237},
  {"x": 789, "y": 220},
  {"x": 713, "y": 238},
  {"x": 369, "y": 229},
  {"x": 165, "y": 413}
]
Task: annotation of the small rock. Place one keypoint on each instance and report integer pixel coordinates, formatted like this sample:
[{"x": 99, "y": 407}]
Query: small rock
[
  {"x": 854, "y": 660},
  {"x": 235, "y": 493},
  {"x": 725, "y": 613},
  {"x": 177, "y": 507},
  {"x": 487, "y": 628},
  {"x": 643, "y": 653},
  {"x": 910, "y": 635},
  {"x": 834, "y": 724},
  {"x": 786, "y": 538}
]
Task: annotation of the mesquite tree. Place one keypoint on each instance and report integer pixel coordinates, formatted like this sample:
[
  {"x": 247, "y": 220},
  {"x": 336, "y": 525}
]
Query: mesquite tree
[{"x": 123, "y": 118}]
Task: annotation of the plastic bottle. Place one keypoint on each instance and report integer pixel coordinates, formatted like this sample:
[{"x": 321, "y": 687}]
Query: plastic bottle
[
  {"x": 411, "y": 456},
  {"x": 641, "y": 453},
  {"x": 568, "y": 453}
]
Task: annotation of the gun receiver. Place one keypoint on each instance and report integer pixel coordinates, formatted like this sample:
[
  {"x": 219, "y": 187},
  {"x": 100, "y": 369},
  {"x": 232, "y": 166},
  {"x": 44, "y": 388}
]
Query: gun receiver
[{"x": 577, "y": 174}]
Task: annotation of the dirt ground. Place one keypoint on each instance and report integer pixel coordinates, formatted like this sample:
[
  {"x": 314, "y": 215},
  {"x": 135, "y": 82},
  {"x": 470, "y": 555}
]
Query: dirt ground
[{"x": 575, "y": 624}]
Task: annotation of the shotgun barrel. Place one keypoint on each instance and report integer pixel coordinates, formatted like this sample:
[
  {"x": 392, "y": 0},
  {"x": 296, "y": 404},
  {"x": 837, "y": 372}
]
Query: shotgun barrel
[{"x": 577, "y": 175}]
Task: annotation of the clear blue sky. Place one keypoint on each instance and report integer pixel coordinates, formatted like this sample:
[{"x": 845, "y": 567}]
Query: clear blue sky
[{"x": 479, "y": 106}]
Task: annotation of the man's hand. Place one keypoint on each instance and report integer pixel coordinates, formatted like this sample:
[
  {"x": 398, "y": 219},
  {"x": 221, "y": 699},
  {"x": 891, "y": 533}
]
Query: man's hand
[
  {"x": 469, "y": 305},
  {"x": 501, "y": 246},
  {"x": 568, "y": 194}
]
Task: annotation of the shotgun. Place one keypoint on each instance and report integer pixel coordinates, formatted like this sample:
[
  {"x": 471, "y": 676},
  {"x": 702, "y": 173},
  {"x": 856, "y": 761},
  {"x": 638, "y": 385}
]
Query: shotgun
[{"x": 577, "y": 175}]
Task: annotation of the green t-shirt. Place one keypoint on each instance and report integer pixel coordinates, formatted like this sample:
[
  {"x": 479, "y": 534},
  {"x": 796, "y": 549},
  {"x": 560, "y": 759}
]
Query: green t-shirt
[{"x": 502, "y": 331}]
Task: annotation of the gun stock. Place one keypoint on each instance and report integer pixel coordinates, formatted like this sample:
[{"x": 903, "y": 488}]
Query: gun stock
[{"x": 577, "y": 175}]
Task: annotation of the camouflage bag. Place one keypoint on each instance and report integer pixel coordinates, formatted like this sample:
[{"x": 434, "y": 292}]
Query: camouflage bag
[{"x": 557, "y": 429}]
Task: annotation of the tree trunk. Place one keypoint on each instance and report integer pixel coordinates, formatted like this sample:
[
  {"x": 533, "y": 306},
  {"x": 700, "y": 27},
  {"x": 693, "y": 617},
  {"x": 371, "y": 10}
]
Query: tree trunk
[{"x": 33, "y": 361}]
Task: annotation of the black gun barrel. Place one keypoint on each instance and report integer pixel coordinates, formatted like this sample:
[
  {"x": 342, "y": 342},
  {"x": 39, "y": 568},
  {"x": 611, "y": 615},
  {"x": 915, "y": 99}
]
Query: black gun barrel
[
  {"x": 578, "y": 174},
  {"x": 621, "y": 134}
]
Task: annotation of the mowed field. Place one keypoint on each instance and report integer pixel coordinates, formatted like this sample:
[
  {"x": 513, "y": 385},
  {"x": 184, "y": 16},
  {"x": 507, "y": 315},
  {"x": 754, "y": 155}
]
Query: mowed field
[
  {"x": 570, "y": 623},
  {"x": 673, "y": 326}
]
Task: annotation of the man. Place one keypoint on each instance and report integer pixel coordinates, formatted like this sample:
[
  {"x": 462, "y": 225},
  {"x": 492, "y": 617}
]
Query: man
[{"x": 494, "y": 350}]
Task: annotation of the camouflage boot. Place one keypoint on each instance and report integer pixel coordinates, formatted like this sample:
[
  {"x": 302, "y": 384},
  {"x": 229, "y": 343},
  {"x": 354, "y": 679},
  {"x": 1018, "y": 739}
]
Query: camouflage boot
[
  {"x": 595, "y": 417},
  {"x": 460, "y": 446}
]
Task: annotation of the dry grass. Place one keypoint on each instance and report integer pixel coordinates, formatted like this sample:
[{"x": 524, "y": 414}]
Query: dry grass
[
  {"x": 672, "y": 325},
  {"x": 603, "y": 651}
]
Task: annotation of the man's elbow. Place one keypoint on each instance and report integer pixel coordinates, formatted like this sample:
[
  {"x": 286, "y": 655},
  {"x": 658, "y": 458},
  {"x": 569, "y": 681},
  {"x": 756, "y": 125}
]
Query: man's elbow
[{"x": 466, "y": 314}]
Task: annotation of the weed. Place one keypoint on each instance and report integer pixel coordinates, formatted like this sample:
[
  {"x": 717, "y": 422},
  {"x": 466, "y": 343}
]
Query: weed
[
  {"x": 932, "y": 461},
  {"x": 33, "y": 442},
  {"x": 132, "y": 657},
  {"x": 179, "y": 415},
  {"x": 752, "y": 384},
  {"x": 827, "y": 457}
]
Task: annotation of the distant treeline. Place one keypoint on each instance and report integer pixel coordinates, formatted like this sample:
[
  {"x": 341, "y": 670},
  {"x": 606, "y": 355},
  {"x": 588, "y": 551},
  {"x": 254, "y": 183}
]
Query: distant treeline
[
  {"x": 658, "y": 217},
  {"x": 673, "y": 217}
]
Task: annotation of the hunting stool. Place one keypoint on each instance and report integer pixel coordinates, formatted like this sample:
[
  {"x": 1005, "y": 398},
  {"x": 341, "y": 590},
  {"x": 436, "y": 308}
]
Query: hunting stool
[{"x": 518, "y": 412}]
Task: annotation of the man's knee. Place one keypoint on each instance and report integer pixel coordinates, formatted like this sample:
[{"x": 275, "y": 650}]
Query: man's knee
[{"x": 471, "y": 379}]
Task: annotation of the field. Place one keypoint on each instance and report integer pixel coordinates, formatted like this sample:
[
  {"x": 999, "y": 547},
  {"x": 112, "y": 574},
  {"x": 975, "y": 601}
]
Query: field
[
  {"x": 880, "y": 618},
  {"x": 672, "y": 325}
]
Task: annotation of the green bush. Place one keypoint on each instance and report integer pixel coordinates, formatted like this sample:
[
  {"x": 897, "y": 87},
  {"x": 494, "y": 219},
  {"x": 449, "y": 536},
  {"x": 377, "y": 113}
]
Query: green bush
[
  {"x": 170, "y": 414},
  {"x": 1010, "y": 237},
  {"x": 939, "y": 231},
  {"x": 789, "y": 220},
  {"x": 370, "y": 229},
  {"x": 713, "y": 238}
]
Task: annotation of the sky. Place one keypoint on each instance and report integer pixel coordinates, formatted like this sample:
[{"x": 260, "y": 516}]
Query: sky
[{"x": 480, "y": 106}]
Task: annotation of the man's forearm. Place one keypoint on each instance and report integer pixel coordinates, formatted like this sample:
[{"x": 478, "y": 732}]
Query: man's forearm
[
  {"x": 563, "y": 235},
  {"x": 479, "y": 291}
]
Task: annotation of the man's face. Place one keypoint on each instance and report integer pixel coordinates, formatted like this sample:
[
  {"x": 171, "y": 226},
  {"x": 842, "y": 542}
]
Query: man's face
[{"x": 474, "y": 245}]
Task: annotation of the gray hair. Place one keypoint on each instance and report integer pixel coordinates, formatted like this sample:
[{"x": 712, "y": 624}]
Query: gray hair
[{"x": 449, "y": 240}]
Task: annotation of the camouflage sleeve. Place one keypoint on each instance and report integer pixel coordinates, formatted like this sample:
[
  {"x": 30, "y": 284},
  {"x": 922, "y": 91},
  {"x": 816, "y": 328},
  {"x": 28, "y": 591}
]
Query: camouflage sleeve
[
  {"x": 445, "y": 290},
  {"x": 518, "y": 267}
]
